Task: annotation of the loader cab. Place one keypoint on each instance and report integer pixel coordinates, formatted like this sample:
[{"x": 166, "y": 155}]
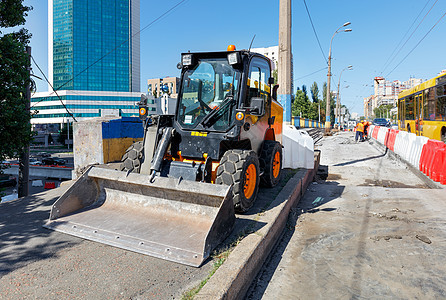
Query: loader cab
[
  {"x": 212, "y": 82},
  {"x": 218, "y": 91},
  {"x": 209, "y": 84}
]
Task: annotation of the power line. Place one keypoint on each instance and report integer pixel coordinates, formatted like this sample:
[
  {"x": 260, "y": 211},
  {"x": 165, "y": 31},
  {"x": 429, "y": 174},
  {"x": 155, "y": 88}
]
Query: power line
[
  {"x": 314, "y": 30},
  {"x": 401, "y": 48},
  {"x": 147, "y": 26},
  {"x": 60, "y": 99},
  {"x": 410, "y": 27},
  {"x": 311, "y": 74},
  {"x": 416, "y": 45}
]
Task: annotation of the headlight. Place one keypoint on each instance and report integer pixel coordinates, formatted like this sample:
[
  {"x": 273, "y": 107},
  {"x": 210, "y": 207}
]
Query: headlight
[
  {"x": 234, "y": 58},
  {"x": 187, "y": 59}
]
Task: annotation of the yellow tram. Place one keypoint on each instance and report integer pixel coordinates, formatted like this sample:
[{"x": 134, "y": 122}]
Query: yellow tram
[{"x": 422, "y": 109}]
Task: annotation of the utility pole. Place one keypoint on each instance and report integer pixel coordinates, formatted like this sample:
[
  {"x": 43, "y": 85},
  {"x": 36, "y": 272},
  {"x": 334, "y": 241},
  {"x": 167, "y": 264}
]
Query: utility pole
[
  {"x": 285, "y": 92},
  {"x": 23, "y": 188},
  {"x": 328, "y": 95}
]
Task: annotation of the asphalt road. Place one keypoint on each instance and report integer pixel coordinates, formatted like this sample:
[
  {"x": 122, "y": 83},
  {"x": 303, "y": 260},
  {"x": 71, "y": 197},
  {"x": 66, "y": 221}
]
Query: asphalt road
[{"x": 371, "y": 230}]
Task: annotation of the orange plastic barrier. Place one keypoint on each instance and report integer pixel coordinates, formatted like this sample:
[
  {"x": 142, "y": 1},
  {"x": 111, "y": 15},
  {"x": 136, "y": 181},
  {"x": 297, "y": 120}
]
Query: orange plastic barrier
[
  {"x": 391, "y": 139},
  {"x": 428, "y": 155},
  {"x": 50, "y": 185},
  {"x": 375, "y": 132},
  {"x": 438, "y": 168},
  {"x": 442, "y": 177}
]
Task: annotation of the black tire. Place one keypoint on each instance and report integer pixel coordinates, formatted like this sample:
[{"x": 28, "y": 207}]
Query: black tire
[
  {"x": 237, "y": 168},
  {"x": 132, "y": 158},
  {"x": 270, "y": 163}
]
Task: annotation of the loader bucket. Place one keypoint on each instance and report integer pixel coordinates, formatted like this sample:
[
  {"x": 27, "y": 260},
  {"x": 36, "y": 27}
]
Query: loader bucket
[{"x": 172, "y": 219}]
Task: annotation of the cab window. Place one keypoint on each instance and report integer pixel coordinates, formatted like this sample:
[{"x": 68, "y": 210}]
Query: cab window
[{"x": 259, "y": 72}]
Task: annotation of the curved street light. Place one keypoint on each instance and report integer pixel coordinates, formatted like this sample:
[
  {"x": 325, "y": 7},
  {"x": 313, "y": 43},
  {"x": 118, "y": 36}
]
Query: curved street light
[
  {"x": 338, "y": 98},
  {"x": 328, "y": 110}
]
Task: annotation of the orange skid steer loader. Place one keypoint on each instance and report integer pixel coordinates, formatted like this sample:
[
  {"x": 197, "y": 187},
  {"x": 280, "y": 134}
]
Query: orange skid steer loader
[{"x": 175, "y": 194}]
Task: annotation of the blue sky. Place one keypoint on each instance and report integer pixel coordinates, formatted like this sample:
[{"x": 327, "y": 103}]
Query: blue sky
[{"x": 203, "y": 25}]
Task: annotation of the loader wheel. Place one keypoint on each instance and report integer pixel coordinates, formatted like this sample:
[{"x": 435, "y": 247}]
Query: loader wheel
[
  {"x": 132, "y": 158},
  {"x": 270, "y": 163},
  {"x": 241, "y": 169}
]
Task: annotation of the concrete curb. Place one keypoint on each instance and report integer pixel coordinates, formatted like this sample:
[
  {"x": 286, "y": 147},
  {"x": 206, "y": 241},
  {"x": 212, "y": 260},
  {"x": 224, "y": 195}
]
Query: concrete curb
[{"x": 233, "y": 278}]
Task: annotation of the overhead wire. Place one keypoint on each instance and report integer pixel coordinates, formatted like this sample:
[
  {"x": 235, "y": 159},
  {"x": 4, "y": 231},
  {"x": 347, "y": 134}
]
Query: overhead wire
[
  {"x": 315, "y": 33},
  {"x": 410, "y": 27},
  {"x": 311, "y": 73},
  {"x": 114, "y": 49},
  {"x": 60, "y": 99},
  {"x": 101, "y": 58},
  {"x": 401, "y": 48},
  {"x": 416, "y": 45}
]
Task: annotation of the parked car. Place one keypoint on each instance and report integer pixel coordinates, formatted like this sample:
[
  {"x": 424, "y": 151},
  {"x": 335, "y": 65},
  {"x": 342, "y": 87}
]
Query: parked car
[
  {"x": 7, "y": 180},
  {"x": 381, "y": 122},
  {"x": 43, "y": 154},
  {"x": 53, "y": 161},
  {"x": 35, "y": 162}
]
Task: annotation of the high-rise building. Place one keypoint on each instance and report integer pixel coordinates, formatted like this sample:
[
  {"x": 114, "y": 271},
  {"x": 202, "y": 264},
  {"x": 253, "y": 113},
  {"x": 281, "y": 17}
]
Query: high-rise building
[
  {"x": 273, "y": 54},
  {"x": 93, "y": 59},
  {"x": 386, "y": 93},
  {"x": 94, "y": 45}
]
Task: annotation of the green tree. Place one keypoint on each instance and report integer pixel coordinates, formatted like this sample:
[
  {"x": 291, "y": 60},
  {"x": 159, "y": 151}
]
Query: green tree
[
  {"x": 314, "y": 89},
  {"x": 382, "y": 111},
  {"x": 301, "y": 105},
  {"x": 276, "y": 76},
  {"x": 15, "y": 129},
  {"x": 63, "y": 134}
]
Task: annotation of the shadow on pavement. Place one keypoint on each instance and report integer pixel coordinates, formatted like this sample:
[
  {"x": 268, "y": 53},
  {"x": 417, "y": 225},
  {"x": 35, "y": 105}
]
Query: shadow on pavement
[
  {"x": 361, "y": 160},
  {"x": 314, "y": 197},
  {"x": 22, "y": 237}
]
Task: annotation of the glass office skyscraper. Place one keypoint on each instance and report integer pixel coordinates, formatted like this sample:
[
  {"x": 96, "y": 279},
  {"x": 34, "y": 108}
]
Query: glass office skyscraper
[
  {"x": 94, "y": 61},
  {"x": 94, "y": 45}
]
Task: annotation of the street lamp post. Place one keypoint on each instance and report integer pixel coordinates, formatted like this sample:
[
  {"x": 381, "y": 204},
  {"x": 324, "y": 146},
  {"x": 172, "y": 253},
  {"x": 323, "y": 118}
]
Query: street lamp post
[
  {"x": 338, "y": 98},
  {"x": 327, "y": 110}
]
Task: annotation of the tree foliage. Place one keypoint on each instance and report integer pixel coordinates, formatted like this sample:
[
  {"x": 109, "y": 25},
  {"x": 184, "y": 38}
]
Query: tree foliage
[
  {"x": 15, "y": 130},
  {"x": 303, "y": 107},
  {"x": 314, "y": 92},
  {"x": 383, "y": 111},
  {"x": 63, "y": 134}
]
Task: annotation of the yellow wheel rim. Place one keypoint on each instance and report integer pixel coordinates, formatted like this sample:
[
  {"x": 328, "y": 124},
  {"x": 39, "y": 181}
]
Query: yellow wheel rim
[
  {"x": 250, "y": 181},
  {"x": 276, "y": 165}
]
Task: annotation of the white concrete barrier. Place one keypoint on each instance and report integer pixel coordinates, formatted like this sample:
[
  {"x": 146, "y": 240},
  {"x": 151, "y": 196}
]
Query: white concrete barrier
[
  {"x": 370, "y": 131},
  {"x": 382, "y": 135},
  {"x": 37, "y": 183},
  {"x": 401, "y": 143},
  {"x": 11, "y": 197},
  {"x": 415, "y": 153},
  {"x": 298, "y": 148},
  {"x": 410, "y": 145}
]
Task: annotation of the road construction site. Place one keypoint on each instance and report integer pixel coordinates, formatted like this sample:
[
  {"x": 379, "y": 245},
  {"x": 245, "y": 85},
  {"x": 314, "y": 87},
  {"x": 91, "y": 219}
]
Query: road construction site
[
  {"x": 369, "y": 226},
  {"x": 39, "y": 263}
]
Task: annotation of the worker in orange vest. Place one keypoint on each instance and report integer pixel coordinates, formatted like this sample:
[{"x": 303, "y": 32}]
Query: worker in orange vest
[
  {"x": 360, "y": 132},
  {"x": 366, "y": 127}
]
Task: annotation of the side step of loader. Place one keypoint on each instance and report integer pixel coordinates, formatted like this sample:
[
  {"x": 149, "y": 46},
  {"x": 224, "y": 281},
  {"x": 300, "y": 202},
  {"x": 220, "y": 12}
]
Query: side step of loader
[{"x": 172, "y": 219}]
